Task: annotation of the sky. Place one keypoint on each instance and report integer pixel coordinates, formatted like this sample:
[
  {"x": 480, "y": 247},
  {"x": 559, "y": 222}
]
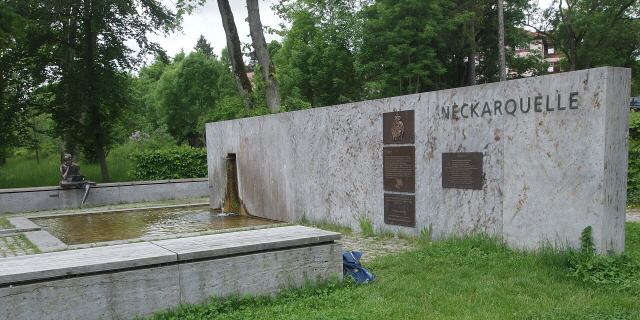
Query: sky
[{"x": 206, "y": 21}]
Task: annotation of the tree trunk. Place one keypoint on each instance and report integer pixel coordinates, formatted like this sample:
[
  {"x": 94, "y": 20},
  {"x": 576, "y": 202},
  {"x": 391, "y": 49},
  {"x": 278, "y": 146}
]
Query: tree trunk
[
  {"x": 101, "y": 155},
  {"x": 260, "y": 46},
  {"x": 501, "y": 55},
  {"x": 471, "y": 57},
  {"x": 235, "y": 53},
  {"x": 3, "y": 156},
  {"x": 92, "y": 107},
  {"x": 36, "y": 144},
  {"x": 573, "y": 52},
  {"x": 471, "y": 63}
]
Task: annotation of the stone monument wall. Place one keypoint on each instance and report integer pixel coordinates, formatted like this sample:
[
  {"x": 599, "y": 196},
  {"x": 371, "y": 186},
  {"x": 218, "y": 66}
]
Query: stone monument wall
[{"x": 533, "y": 161}]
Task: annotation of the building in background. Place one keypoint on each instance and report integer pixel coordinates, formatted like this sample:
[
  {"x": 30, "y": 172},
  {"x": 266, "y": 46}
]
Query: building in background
[{"x": 542, "y": 46}]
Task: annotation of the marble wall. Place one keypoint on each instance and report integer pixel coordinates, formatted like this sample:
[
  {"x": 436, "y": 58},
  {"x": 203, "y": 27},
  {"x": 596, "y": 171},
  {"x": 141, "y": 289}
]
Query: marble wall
[{"x": 554, "y": 160}]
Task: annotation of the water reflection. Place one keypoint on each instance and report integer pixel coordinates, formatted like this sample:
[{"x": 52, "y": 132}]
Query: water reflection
[{"x": 99, "y": 227}]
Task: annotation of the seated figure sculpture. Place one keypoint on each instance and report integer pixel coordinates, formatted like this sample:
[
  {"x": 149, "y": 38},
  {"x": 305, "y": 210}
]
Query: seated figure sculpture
[
  {"x": 70, "y": 177},
  {"x": 69, "y": 171}
]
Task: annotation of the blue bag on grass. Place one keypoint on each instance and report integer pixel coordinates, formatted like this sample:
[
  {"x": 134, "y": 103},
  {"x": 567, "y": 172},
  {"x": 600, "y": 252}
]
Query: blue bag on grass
[{"x": 351, "y": 266}]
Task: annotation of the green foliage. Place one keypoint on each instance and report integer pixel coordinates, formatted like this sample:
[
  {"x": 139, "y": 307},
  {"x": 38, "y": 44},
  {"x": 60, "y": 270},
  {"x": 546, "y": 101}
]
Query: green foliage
[
  {"x": 170, "y": 163},
  {"x": 75, "y": 52},
  {"x": 619, "y": 270},
  {"x": 316, "y": 63},
  {"x": 476, "y": 277},
  {"x": 587, "y": 266},
  {"x": 25, "y": 171},
  {"x": 231, "y": 107},
  {"x": 366, "y": 226},
  {"x": 222, "y": 308},
  {"x": 190, "y": 88},
  {"x": 633, "y": 180},
  {"x": 203, "y": 46},
  {"x": 592, "y": 33},
  {"x": 586, "y": 241},
  {"x": 416, "y": 45},
  {"x": 4, "y": 223}
]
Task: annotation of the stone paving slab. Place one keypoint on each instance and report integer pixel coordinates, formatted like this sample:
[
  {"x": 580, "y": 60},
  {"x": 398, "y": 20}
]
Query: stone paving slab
[
  {"x": 211, "y": 246},
  {"x": 23, "y": 223},
  {"x": 74, "y": 262},
  {"x": 45, "y": 241},
  {"x": 20, "y": 224}
]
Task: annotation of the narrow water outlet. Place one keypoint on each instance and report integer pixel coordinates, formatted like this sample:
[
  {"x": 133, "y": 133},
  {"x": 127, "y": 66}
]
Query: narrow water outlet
[{"x": 231, "y": 202}]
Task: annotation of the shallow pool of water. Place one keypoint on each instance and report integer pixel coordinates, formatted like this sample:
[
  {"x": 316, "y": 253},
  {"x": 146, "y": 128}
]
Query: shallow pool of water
[{"x": 141, "y": 224}]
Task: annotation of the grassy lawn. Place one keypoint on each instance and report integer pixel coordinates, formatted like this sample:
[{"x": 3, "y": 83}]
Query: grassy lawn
[
  {"x": 22, "y": 172},
  {"x": 474, "y": 278}
]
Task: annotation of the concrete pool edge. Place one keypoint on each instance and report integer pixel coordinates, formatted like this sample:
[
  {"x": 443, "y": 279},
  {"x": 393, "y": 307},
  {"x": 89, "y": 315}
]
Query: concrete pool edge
[
  {"x": 51, "y": 214},
  {"x": 23, "y": 200},
  {"x": 140, "y": 278}
]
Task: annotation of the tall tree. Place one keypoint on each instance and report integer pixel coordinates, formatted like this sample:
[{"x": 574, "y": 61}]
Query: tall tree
[
  {"x": 189, "y": 89},
  {"x": 204, "y": 47},
  {"x": 235, "y": 53},
  {"x": 317, "y": 62},
  {"x": 92, "y": 86},
  {"x": 592, "y": 33},
  {"x": 262, "y": 53},
  {"x": 22, "y": 70}
]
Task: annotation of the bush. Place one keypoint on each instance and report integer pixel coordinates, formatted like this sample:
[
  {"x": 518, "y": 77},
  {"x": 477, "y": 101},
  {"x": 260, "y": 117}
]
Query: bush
[
  {"x": 587, "y": 266},
  {"x": 170, "y": 163}
]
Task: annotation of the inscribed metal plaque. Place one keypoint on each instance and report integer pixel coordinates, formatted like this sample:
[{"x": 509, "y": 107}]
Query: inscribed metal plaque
[
  {"x": 399, "y": 168},
  {"x": 398, "y": 127},
  {"x": 462, "y": 170},
  {"x": 400, "y": 209}
]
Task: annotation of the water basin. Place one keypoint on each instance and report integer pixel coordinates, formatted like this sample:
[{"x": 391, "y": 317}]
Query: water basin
[{"x": 142, "y": 224}]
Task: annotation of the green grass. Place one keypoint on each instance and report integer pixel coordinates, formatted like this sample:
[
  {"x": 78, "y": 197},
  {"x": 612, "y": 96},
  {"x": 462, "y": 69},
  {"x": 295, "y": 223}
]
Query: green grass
[
  {"x": 4, "y": 223},
  {"x": 366, "y": 227},
  {"x": 26, "y": 172},
  {"x": 27, "y": 245},
  {"x": 325, "y": 225},
  {"x": 472, "y": 278}
]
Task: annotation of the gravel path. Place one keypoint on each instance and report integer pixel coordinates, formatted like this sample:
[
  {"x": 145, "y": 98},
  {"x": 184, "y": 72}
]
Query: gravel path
[
  {"x": 633, "y": 215},
  {"x": 375, "y": 247}
]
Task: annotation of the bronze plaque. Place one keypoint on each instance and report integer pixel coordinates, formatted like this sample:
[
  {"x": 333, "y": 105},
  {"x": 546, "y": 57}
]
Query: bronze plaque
[
  {"x": 400, "y": 209},
  {"x": 462, "y": 170},
  {"x": 399, "y": 168},
  {"x": 398, "y": 127}
]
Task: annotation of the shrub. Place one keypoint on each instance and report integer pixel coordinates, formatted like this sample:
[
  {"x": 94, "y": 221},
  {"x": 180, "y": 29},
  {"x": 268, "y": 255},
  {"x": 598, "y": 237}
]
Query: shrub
[
  {"x": 587, "y": 266},
  {"x": 170, "y": 163}
]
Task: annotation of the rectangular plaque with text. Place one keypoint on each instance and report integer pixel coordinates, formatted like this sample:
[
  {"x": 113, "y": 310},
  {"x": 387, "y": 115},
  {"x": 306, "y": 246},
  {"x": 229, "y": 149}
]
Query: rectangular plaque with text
[
  {"x": 400, "y": 209},
  {"x": 462, "y": 170},
  {"x": 398, "y": 127},
  {"x": 399, "y": 168}
]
